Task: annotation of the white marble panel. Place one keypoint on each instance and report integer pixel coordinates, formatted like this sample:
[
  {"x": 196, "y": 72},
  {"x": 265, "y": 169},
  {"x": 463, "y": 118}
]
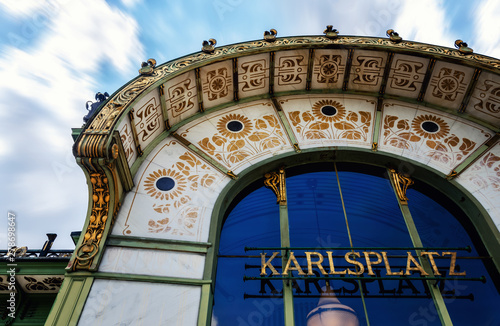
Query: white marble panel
[
  {"x": 217, "y": 83},
  {"x": 485, "y": 100},
  {"x": 367, "y": 70},
  {"x": 259, "y": 135},
  {"x": 148, "y": 118},
  {"x": 404, "y": 132},
  {"x": 330, "y": 120},
  {"x": 290, "y": 70},
  {"x": 173, "y": 196},
  {"x": 329, "y": 68},
  {"x": 482, "y": 179},
  {"x": 152, "y": 262},
  {"x": 112, "y": 302},
  {"x": 406, "y": 76},
  {"x": 448, "y": 84},
  {"x": 127, "y": 138},
  {"x": 181, "y": 97},
  {"x": 253, "y": 75}
]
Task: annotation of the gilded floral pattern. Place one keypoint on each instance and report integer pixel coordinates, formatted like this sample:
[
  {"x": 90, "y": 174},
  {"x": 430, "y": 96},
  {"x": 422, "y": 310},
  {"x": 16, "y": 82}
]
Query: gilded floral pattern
[
  {"x": 331, "y": 120},
  {"x": 257, "y": 136},
  {"x": 179, "y": 217},
  {"x": 441, "y": 145}
]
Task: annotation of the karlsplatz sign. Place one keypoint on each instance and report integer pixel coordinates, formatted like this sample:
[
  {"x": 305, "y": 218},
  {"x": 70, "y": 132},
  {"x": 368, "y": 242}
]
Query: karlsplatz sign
[{"x": 361, "y": 262}]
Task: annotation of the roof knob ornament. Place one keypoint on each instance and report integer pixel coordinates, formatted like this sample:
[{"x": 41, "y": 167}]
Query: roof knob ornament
[
  {"x": 393, "y": 36},
  {"x": 92, "y": 107},
  {"x": 463, "y": 47},
  {"x": 147, "y": 68},
  {"x": 270, "y": 36},
  {"x": 330, "y": 32},
  {"x": 209, "y": 46}
]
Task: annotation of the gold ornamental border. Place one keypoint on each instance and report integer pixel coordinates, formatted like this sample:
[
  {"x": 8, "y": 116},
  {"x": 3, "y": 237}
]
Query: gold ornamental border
[{"x": 92, "y": 142}]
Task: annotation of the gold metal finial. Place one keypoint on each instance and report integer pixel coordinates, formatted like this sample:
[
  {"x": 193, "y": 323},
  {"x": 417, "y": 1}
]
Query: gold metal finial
[
  {"x": 270, "y": 36},
  {"x": 393, "y": 36},
  {"x": 147, "y": 68},
  {"x": 209, "y": 46},
  {"x": 330, "y": 32},
  {"x": 276, "y": 181},
  {"x": 401, "y": 183},
  {"x": 463, "y": 47}
]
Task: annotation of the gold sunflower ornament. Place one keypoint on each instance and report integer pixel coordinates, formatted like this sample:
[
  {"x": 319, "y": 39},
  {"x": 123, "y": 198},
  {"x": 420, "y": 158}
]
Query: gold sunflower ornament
[
  {"x": 328, "y": 111},
  {"x": 165, "y": 184},
  {"x": 234, "y": 126},
  {"x": 430, "y": 127}
]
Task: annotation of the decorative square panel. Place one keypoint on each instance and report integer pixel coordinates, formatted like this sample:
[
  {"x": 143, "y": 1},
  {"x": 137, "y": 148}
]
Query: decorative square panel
[
  {"x": 482, "y": 179},
  {"x": 331, "y": 120},
  {"x": 448, "y": 84},
  {"x": 173, "y": 196},
  {"x": 240, "y": 136},
  {"x": 485, "y": 100},
  {"x": 181, "y": 97},
  {"x": 217, "y": 83},
  {"x": 328, "y": 68},
  {"x": 127, "y": 138},
  {"x": 253, "y": 75},
  {"x": 290, "y": 70},
  {"x": 406, "y": 76},
  {"x": 431, "y": 137},
  {"x": 148, "y": 118},
  {"x": 113, "y": 302},
  {"x": 367, "y": 70}
]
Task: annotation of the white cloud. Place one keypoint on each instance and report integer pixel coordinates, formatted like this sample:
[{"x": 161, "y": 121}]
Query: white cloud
[
  {"x": 131, "y": 3},
  {"x": 21, "y": 8},
  {"x": 487, "y": 28},
  {"x": 43, "y": 91},
  {"x": 424, "y": 21}
]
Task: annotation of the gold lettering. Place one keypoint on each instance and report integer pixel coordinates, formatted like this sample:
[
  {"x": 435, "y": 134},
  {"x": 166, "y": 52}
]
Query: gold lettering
[
  {"x": 354, "y": 262},
  {"x": 317, "y": 263},
  {"x": 265, "y": 264},
  {"x": 453, "y": 263},
  {"x": 430, "y": 254},
  {"x": 332, "y": 268},
  {"x": 296, "y": 268},
  {"x": 417, "y": 267},
  {"x": 388, "y": 267},
  {"x": 369, "y": 262}
]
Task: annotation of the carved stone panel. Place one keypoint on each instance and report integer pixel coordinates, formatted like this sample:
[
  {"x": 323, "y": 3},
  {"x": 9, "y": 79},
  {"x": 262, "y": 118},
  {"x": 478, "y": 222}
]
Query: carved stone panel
[
  {"x": 328, "y": 69},
  {"x": 173, "y": 196},
  {"x": 330, "y": 120},
  {"x": 367, "y": 70},
  {"x": 127, "y": 139},
  {"x": 290, "y": 70},
  {"x": 239, "y": 137},
  {"x": 181, "y": 97},
  {"x": 482, "y": 179},
  {"x": 448, "y": 84},
  {"x": 253, "y": 75},
  {"x": 406, "y": 76},
  {"x": 217, "y": 83},
  {"x": 148, "y": 118},
  {"x": 485, "y": 100},
  {"x": 439, "y": 140}
]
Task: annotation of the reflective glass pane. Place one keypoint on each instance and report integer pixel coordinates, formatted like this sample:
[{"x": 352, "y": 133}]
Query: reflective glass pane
[
  {"x": 254, "y": 222},
  {"x": 468, "y": 302}
]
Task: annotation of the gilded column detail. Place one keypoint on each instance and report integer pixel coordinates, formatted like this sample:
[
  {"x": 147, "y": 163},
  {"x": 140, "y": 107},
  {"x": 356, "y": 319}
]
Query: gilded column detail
[
  {"x": 276, "y": 181},
  {"x": 401, "y": 183}
]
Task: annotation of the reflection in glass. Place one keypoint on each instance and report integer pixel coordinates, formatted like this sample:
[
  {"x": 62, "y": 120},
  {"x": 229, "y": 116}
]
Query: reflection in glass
[{"x": 330, "y": 312}]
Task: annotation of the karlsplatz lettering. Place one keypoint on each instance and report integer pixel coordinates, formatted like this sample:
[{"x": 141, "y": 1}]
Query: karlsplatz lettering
[{"x": 361, "y": 263}]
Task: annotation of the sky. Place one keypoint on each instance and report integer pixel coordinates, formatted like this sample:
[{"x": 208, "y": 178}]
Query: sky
[{"x": 55, "y": 55}]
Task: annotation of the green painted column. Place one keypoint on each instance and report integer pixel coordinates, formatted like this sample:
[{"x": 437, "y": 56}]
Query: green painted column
[{"x": 400, "y": 183}]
